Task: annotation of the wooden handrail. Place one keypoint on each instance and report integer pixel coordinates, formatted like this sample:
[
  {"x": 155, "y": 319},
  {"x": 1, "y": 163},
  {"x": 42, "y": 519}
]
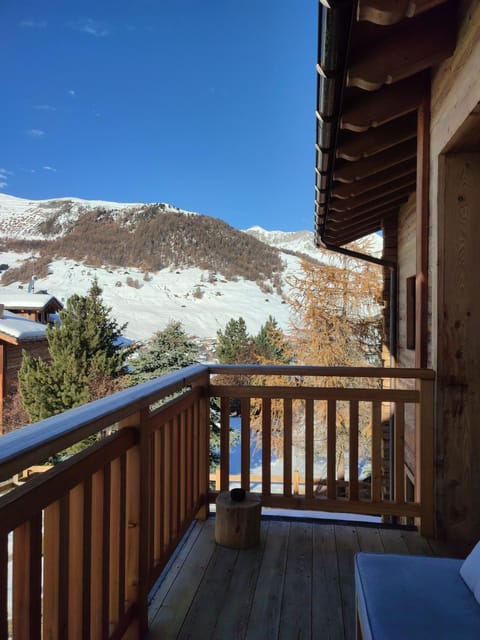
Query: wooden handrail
[
  {"x": 37, "y": 442},
  {"x": 324, "y": 372}
]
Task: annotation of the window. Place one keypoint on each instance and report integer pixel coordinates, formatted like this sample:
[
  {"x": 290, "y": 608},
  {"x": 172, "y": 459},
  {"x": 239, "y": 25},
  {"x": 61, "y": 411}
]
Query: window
[{"x": 411, "y": 312}]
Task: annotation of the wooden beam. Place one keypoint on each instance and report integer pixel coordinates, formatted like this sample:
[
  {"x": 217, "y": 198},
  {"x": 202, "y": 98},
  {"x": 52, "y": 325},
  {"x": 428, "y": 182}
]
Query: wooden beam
[
  {"x": 421, "y": 44},
  {"x": 341, "y": 240},
  {"x": 386, "y": 104},
  {"x": 385, "y": 178},
  {"x": 386, "y": 12},
  {"x": 422, "y": 222},
  {"x": 399, "y": 186},
  {"x": 339, "y": 225},
  {"x": 352, "y": 171},
  {"x": 363, "y": 145},
  {"x": 364, "y": 212}
]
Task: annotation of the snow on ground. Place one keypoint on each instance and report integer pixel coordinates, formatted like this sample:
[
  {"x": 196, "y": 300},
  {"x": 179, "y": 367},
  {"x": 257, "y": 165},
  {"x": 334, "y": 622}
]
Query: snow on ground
[{"x": 168, "y": 295}]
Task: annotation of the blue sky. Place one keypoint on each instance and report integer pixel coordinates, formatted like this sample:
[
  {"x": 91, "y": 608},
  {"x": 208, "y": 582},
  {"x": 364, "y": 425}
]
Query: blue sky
[{"x": 206, "y": 104}]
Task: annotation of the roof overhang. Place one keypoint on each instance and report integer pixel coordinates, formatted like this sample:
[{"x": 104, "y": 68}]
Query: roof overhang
[{"x": 374, "y": 62}]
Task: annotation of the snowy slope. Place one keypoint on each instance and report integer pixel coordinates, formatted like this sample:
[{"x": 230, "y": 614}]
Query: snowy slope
[{"x": 168, "y": 295}]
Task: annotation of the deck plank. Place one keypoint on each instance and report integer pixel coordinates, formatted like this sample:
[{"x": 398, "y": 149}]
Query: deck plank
[
  {"x": 211, "y": 595},
  {"x": 392, "y": 541},
  {"x": 265, "y": 614},
  {"x": 169, "y": 618},
  {"x": 299, "y": 583},
  {"x": 327, "y": 618},
  {"x": 347, "y": 545},
  {"x": 295, "y": 617},
  {"x": 232, "y": 622}
]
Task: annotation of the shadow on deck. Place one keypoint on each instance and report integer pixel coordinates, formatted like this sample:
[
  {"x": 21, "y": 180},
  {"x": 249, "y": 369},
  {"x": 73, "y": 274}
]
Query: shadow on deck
[{"x": 298, "y": 583}]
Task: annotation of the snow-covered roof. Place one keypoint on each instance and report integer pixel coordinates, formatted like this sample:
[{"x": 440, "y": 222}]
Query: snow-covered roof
[
  {"x": 13, "y": 299},
  {"x": 21, "y": 329}
]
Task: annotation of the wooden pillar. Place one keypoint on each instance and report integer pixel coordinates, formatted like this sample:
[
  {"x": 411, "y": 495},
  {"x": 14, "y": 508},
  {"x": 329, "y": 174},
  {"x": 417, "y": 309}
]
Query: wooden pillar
[
  {"x": 3, "y": 383},
  {"x": 422, "y": 221},
  {"x": 458, "y": 348}
]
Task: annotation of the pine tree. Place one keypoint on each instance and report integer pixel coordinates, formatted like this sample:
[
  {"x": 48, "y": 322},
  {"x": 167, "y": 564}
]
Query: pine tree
[
  {"x": 270, "y": 344},
  {"x": 82, "y": 349},
  {"x": 235, "y": 346},
  {"x": 168, "y": 350}
]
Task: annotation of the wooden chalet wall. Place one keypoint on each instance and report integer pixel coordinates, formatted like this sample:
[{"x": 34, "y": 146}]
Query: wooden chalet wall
[
  {"x": 454, "y": 265},
  {"x": 11, "y": 361},
  {"x": 406, "y": 357}
]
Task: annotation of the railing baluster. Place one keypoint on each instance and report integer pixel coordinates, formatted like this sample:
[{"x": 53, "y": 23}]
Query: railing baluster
[
  {"x": 4, "y": 586},
  {"x": 114, "y": 543},
  {"x": 353, "y": 451},
  {"x": 51, "y": 562},
  {"x": 399, "y": 453},
  {"x": 287, "y": 446},
  {"x": 309, "y": 447},
  {"x": 174, "y": 485},
  {"x": 167, "y": 483},
  {"x": 156, "y": 496},
  {"x": 106, "y": 551},
  {"x": 122, "y": 543},
  {"x": 224, "y": 443},
  {"x": 96, "y": 604},
  {"x": 196, "y": 443},
  {"x": 182, "y": 440},
  {"x": 245, "y": 443},
  {"x": 266, "y": 445},
  {"x": 332, "y": 450},
  {"x": 87, "y": 556},
  {"x": 376, "y": 451},
  {"x": 75, "y": 561},
  {"x": 27, "y": 554},
  {"x": 189, "y": 458}
]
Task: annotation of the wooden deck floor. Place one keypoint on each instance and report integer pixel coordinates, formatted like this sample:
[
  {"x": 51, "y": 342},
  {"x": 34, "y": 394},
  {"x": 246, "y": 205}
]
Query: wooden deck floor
[{"x": 298, "y": 583}]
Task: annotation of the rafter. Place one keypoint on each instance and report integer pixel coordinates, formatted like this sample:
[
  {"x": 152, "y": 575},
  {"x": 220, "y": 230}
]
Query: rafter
[
  {"x": 421, "y": 44},
  {"x": 352, "y": 217},
  {"x": 386, "y": 104},
  {"x": 352, "y": 171},
  {"x": 385, "y": 178},
  {"x": 363, "y": 145},
  {"x": 404, "y": 185},
  {"x": 386, "y": 12}
]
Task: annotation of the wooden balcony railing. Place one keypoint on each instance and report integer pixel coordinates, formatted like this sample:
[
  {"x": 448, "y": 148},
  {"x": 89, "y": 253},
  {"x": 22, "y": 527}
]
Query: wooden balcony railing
[{"x": 82, "y": 544}]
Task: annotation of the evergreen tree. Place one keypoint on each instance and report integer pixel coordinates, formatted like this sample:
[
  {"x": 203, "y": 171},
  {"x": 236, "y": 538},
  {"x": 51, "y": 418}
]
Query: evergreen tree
[
  {"x": 235, "y": 346},
  {"x": 82, "y": 349},
  {"x": 168, "y": 350},
  {"x": 270, "y": 344}
]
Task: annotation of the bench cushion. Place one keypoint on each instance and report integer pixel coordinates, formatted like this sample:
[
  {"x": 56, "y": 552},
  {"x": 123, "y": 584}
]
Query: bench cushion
[{"x": 414, "y": 597}]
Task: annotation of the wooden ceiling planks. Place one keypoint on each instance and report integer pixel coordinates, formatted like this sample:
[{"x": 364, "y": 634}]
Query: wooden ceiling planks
[
  {"x": 383, "y": 179},
  {"x": 353, "y": 171},
  {"x": 406, "y": 184},
  {"x": 388, "y": 12},
  {"x": 373, "y": 109},
  {"x": 422, "y": 43},
  {"x": 363, "y": 145}
]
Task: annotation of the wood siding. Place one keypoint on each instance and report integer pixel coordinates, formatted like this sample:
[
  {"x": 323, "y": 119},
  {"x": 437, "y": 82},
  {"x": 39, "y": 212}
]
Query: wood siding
[
  {"x": 454, "y": 349},
  {"x": 38, "y": 349},
  {"x": 406, "y": 357}
]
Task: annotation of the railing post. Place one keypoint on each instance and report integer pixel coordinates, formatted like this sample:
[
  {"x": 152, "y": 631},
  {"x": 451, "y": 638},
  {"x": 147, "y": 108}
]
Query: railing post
[
  {"x": 424, "y": 457},
  {"x": 204, "y": 446},
  {"x": 136, "y": 559}
]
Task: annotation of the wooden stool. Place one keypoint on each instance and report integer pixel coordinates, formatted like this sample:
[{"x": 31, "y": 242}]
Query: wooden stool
[{"x": 237, "y": 524}]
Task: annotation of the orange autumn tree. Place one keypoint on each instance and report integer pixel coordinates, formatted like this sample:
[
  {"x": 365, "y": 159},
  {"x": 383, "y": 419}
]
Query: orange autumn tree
[{"x": 336, "y": 321}]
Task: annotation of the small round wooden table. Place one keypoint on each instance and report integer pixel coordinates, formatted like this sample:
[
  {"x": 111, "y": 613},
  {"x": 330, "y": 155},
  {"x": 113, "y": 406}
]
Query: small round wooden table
[{"x": 237, "y": 524}]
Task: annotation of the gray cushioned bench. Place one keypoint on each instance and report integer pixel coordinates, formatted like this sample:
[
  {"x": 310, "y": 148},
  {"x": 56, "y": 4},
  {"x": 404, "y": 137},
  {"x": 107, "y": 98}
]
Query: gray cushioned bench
[{"x": 413, "y": 598}]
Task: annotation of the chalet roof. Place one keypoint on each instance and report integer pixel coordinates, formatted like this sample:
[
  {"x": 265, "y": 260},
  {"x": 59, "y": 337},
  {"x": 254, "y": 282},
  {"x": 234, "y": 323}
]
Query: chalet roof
[
  {"x": 14, "y": 299},
  {"x": 374, "y": 62},
  {"x": 16, "y": 329}
]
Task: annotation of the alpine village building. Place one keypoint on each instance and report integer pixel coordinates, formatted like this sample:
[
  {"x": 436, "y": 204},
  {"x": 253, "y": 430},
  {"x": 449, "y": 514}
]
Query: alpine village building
[{"x": 398, "y": 151}]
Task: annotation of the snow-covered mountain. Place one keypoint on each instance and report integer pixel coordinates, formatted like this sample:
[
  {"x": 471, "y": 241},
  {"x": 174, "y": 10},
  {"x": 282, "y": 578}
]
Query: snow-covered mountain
[
  {"x": 203, "y": 298},
  {"x": 22, "y": 218}
]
